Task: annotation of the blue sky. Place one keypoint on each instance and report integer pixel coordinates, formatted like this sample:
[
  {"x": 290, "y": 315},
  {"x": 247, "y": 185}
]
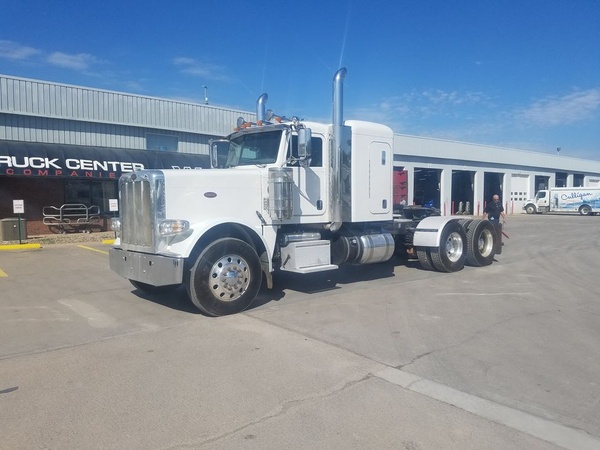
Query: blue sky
[{"x": 514, "y": 73}]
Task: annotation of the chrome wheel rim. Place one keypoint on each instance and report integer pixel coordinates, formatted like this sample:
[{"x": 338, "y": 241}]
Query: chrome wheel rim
[
  {"x": 229, "y": 278},
  {"x": 485, "y": 243},
  {"x": 454, "y": 247}
]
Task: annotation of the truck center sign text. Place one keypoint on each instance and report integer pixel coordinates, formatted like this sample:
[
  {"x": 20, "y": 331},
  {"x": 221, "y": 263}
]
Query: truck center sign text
[
  {"x": 67, "y": 161},
  {"x": 43, "y": 166}
]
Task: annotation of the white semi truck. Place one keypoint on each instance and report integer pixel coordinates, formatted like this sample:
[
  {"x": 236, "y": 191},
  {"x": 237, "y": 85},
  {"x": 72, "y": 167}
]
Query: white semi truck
[
  {"x": 287, "y": 195},
  {"x": 582, "y": 200}
]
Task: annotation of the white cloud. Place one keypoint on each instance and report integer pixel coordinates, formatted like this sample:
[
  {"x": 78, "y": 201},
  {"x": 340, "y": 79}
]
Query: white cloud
[
  {"x": 569, "y": 109},
  {"x": 201, "y": 69},
  {"x": 81, "y": 61},
  {"x": 183, "y": 61},
  {"x": 439, "y": 97},
  {"x": 419, "y": 105},
  {"x": 16, "y": 51}
]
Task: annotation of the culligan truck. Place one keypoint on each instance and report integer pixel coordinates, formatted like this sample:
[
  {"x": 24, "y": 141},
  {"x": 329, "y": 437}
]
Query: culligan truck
[
  {"x": 582, "y": 200},
  {"x": 282, "y": 195}
]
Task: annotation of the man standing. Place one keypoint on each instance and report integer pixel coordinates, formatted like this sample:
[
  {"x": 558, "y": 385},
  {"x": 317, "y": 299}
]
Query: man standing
[{"x": 494, "y": 210}]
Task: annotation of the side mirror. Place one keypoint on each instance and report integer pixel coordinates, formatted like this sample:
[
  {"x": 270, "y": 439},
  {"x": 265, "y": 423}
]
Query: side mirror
[
  {"x": 218, "y": 153},
  {"x": 214, "y": 156},
  {"x": 304, "y": 143}
]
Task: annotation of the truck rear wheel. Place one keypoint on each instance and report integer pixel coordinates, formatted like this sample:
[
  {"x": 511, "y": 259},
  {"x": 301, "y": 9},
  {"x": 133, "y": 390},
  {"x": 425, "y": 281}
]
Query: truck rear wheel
[
  {"x": 451, "y": 254},
  {"x": 225, "y": 278},
  {"x": 585, "y": 210},
  {"x": 480, "y": 243},
  {"x": 425, "y": 258}
]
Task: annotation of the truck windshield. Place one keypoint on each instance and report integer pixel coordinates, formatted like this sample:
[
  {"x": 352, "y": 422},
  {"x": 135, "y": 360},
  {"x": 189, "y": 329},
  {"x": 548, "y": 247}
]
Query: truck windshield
[{"x": 254, "y": 148}]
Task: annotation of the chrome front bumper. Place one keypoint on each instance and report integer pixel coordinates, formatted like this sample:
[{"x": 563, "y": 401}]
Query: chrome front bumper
[{"x": 155, "y": 270}]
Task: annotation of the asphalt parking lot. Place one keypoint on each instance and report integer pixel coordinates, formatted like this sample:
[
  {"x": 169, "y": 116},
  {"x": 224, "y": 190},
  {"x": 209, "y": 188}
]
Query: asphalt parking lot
[{"x": 380, "y": 356}]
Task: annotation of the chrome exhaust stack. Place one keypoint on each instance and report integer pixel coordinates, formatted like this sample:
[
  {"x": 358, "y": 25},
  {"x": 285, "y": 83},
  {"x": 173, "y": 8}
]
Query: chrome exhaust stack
[
  {"x": 260, "y": 107},
  {"x": 338, "y": 102},
  {"x": 336, "y": 163}
]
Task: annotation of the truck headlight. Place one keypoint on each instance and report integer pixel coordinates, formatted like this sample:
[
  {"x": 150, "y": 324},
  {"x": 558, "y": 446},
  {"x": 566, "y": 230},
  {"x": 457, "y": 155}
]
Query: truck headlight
[{"x": 171, "y": 227}]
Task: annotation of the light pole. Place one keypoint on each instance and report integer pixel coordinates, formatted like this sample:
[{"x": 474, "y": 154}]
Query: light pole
[{"x": 205, "y": 94}]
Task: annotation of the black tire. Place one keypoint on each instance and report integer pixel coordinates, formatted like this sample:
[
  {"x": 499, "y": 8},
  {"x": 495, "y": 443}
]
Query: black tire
[
  {"x": 451, "y": 254},
  {"x": 530, "y": 209},
  {"x": 585, "y": 210},
  {"x": 425, "y": 258},
  {"x": 481, "y": 243},
  {"x": 465, "y": 223},
  {"x": 225, "y": 278},
  {"x": 149, "y": 289}
]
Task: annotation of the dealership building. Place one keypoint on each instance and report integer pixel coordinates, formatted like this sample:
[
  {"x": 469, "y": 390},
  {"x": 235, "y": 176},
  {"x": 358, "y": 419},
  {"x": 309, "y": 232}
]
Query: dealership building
[{"x": 68, "y": 145}]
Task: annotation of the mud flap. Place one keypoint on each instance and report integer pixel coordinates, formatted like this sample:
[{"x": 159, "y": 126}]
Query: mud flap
[{"x": 499, "y": 234}]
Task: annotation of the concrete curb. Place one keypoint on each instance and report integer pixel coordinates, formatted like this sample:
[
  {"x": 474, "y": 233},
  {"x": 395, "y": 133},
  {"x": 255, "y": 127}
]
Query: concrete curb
[
  {"x": 36, "y": 246},
  {"x": 20, "y": 246}
]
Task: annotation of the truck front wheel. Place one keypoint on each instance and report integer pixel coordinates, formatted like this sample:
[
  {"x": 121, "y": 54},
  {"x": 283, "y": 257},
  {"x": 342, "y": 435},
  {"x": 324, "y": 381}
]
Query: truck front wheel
[
  {"x": 530, "y": 209},
  {"x": 225, "y": 278}
]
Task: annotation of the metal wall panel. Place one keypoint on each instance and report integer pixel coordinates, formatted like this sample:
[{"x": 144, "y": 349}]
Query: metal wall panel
[
  {"x": 52, "y": 100},
  {"x": 15, "y": 127}
]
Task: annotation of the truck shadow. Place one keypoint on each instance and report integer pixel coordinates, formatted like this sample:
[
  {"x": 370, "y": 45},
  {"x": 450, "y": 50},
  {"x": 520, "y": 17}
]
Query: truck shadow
[
  {"x": 283, "y": 282},
  {"x": 176, "y": 299},
  {"x": 325, "y": 281}
]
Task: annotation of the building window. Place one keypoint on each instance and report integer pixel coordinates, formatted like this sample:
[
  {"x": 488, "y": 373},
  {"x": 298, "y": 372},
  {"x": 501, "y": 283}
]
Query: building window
[
  {"x": 91, "y": 193},
  {"x": 561, "y": 179},
  {"x": 161, "y": 142}
]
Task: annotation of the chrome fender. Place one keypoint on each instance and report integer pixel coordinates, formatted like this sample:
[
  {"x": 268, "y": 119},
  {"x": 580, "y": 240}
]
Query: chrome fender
[{"x": 429, "y": 230}]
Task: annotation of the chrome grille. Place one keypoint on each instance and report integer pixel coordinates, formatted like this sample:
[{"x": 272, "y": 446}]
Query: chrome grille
[{"x": 141, "y": 195}]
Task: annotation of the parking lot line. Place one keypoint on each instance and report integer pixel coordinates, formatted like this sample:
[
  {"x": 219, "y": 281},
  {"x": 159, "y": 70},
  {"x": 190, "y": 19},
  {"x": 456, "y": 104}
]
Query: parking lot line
[
  {"x": 94, "y": 316},
  {"x": 104, "y": 252},
  {"x": 3, "y": 273}
]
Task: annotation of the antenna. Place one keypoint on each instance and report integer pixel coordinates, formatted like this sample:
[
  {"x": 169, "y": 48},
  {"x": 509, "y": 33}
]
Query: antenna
[{"x": 205, "y": 94}]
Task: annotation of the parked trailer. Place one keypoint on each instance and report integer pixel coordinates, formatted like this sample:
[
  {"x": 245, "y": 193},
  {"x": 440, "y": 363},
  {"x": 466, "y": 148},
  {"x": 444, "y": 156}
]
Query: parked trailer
[
  {"x": 582, "y": 200},
  {"x": 283, "y": 194}
]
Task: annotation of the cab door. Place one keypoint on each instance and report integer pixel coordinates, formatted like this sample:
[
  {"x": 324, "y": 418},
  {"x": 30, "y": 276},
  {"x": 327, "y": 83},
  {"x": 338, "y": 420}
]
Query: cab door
[
  {"x": 543, "y": 199},
  {"x": 311, "y": 183}
]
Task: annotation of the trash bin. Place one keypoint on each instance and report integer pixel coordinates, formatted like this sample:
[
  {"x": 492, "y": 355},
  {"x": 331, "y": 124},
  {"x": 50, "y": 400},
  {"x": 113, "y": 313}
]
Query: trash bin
[{"x": 9, "y": 229}]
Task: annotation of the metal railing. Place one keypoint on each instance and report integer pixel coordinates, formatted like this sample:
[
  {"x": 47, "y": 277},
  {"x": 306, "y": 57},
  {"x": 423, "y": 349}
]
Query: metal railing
[{"x": 71, "y": 217}]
